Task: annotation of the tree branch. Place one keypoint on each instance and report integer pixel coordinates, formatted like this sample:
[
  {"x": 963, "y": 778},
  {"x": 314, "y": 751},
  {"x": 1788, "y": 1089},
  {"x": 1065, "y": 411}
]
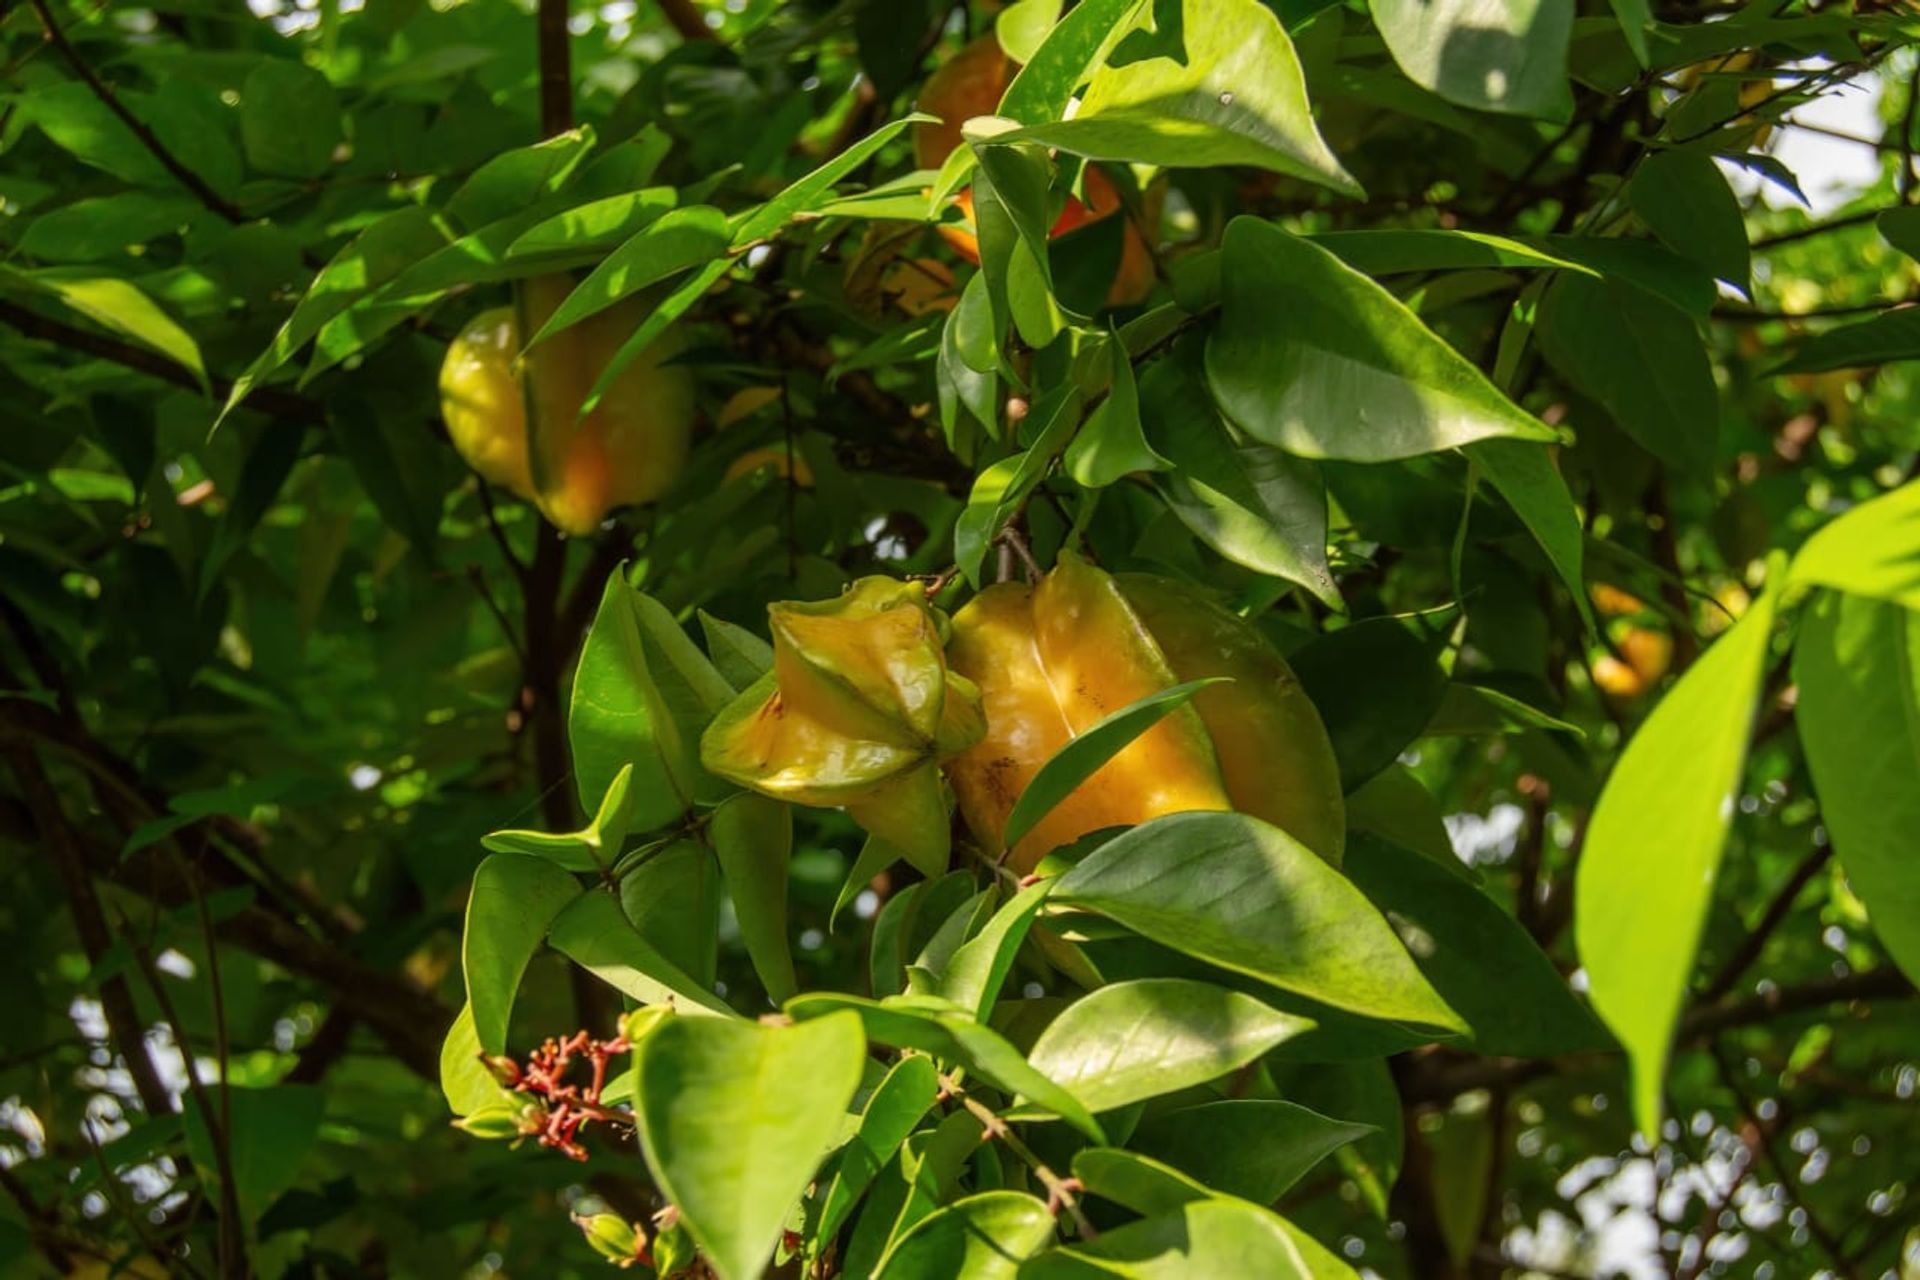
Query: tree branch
[
  {"x": 1777, "y": 911},
  {"x": 148, "y": 139},
  {"x": 280, "y": 404}
]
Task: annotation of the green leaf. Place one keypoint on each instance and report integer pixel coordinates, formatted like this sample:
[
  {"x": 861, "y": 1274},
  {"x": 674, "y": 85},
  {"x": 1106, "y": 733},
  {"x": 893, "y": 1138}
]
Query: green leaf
[
  {"x": 369, "y": 260},
  {"x": 896, "y": 1106},
  {"x": 1010, "y": 211},
  {"x": 1395, "y": 805},
  {"x": 740, "y": 656},
  {"x": 979, "y": 1237},
  {"x": 1472, "y": 710},
  {"x": 98, "y": 227},
  {"x": 1660, "y": 825},
  {"x": 1873, "y": 550},
  {"x": 1235, "y": 892},
  {"x": 270, "y": 1133},
  {"x": 289, "y": 119},
  {"x": 1255, "y": 1148},
  {"x": 1641, "y": 359},
  {"x": 1376, "y": 686},
  {"x": 679, "y": 240},
  {"x": 875, "y": 856},
  {"x": 977, "y": 969},
  {"x": 513, "y": 180},
  {"x": 999, "y": 490},
  {"x": 1083, "y": 757},
  {"x": 1362, "y": 1092},
  {"x": 1889, "y": 336},
  {"x": 1857, "y": 663},
  {"x": 119, "y": 306},
  {"x": 1314, "y": 357},
  {"x": 641, "y": 696},
  {"x": 1508, "y": 56},
  {"x": 464, "y": 1079},
  {"x": 1042, "y": 88},
  {"x": 1134, "y": 1181},
  {"x": 1635, "y": 18},
  {"x": 1236, "y": 98},
  {"x": 513, "y": 903},
  {"x": 1477, "y": 957},
  {"x": 593, "y": 848},
  {"x": 1023, "y": 26},
  {"x": 77, "y": 122},
  {"x": 1526, "y": 477},
  {"x": 1111, "y": 444},
  {"x": 595, "y": 934},
  {"x": 940, "y": 1028},
  {"x": 1203, "y": 1238},
  {"x": 672, "y": 899},
  {"x": 1137, "y": 1040},
  {"x": 734, "y": 1119},
  {"x": 1900, "y": 227},
  {"x": 596, "y": 226},
  {"x": 1392, "y": 251},
  {"x": 812, "y": 191},
  {"x": 1255, "y": 505},
  {"x": 1684, "y": 199},
  {"x": 1460, "y": 1162},
  {"x": 927, "y": 1174},
  {"x": 752, "y": 836},
  {"x": 404, "y": 470}
]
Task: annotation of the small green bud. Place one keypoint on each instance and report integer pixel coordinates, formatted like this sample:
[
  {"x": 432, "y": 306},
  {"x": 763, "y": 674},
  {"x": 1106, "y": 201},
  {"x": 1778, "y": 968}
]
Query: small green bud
[
  {"x": 496, "y": 1120},
  {"x": 612, "y": 1237}
]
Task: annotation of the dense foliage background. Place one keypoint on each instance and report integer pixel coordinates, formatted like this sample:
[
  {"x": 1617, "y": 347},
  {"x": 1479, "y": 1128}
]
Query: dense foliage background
[{"x": 265, "y": 687}]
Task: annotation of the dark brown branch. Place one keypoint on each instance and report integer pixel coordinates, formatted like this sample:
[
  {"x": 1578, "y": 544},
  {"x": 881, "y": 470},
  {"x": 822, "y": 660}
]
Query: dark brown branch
[
  {"x": 1760, "y": 1136},
  {"x": 148, "y": 139},
  {"x": 1777, "y": 910},
  {"x": 59, "y": 840},
  {"x": 684, "y": 17},
  {"x": 556, "y": 68},
  {"x": 280, "y": 404},
  {"x": 1817, "y": 229},
  {"x": 1883, "y": 983}
]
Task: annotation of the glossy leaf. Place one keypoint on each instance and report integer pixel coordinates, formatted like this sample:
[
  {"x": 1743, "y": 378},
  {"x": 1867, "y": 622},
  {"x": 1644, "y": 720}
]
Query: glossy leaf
[
  {"x": 740, "y": 656},
  {"x": 1317, "y": 359},
  {"x": 1872, "y": 550},
  {"x": 677, "y": 241},
  {"x": 600, "y": 224},
  {"x": 892, "y": 1111},
  {"x": 513, "y": 903},
  {"x": 1253, "y": 504},
  {"x": 672, "y": 899},
  {"x": 512, "y": 180},
  {"x": 1887, "y": 337},
  {"x": 735, "y": 1117},
  {"x": 1249, "y": 1147},
  {"x": 593, "y": 848},
  {"x": 973, "y": 975},
  {"x": 464, "y": 1079},
  {"x": 1486, "y": 967},
  {"x": 1857, "y": 664},
  {"x": 1230, "y": 890},
  {"x": 641, "y": 696},
  {"x": 1136, "y": 1040},
  {"x": 1376, "y": 686},
  {"x": 289, "y": 119},
  {"x": 1509, "y": 55},
  {"x": 979, "y": 1237},
  {"x": 752, "y": 836},
  {"x": 1526, "y": 477},
  {"x": 1641, "y": 359},
  {"x": 1083, "y": 756},
  {"x": 1077, "y": 44},
  {"x": 1111, "y": 444},
  {"x": 1236, "y": 97},
  {"x": 116, "y": 305},
  {"x": 1684, "y": 198},
  {"x": 941, "y": 1029},
  {"x": 1662, "y": 821},
  {"x": 1214, "y": 1237},
  {"x": 595, "y": 934}
]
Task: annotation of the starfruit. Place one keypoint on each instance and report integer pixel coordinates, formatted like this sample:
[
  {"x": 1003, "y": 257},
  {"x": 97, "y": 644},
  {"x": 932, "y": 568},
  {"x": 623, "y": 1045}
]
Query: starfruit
[
  {"x": 1055, "y": 658},
  {"x": 856, "y": 713}
]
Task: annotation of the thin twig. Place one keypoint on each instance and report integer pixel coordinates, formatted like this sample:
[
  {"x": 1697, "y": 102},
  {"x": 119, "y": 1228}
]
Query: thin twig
[
  {"x": 1764, "y": 1139},
  {"x": 148, "y": 139},
  {"x": 1061, "y": 1192},
  {"x": 1777, "y": 910}
]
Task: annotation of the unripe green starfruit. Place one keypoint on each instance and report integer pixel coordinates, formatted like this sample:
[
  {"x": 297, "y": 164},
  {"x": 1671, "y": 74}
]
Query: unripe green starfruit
[{"x": 856, "y": 714}]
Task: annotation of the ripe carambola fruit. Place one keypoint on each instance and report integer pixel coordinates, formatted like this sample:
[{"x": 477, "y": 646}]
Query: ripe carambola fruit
[
  {"x": 1054, "y": 659},
  {"x": 856, "y": 713},
  {"x": 527, "y": 433}
]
